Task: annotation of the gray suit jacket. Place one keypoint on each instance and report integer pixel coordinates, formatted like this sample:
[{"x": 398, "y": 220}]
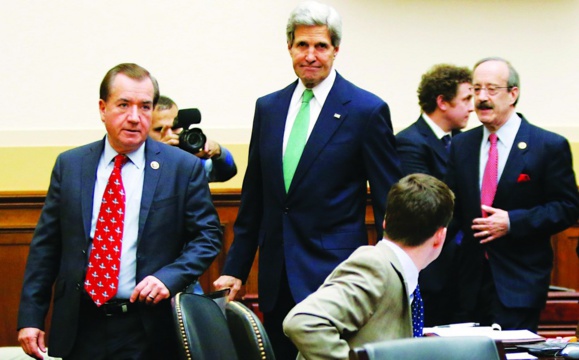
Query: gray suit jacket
[
  {"x": 365, "y": 299},
  {"x": 179, "y": 236}
]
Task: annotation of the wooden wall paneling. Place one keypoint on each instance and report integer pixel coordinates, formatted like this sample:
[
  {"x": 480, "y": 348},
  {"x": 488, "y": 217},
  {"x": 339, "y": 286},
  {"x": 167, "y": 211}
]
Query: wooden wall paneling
[
  {"x": 19, "y": 213},
  {"x": 566, "y": 263},
  {"x": 227, "y": 204}
]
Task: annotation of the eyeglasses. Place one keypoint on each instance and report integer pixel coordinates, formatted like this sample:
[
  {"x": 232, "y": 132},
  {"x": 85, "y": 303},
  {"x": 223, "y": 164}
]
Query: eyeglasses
[{"x": 491, "y": 90}]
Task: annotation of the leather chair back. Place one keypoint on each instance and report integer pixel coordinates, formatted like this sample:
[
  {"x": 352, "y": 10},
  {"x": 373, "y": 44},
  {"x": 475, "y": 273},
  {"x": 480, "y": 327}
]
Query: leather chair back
[
  {"x": 202, "y": 329},
  {"x": 249, "y": 336},
  {"x": 432, "y": 348}
]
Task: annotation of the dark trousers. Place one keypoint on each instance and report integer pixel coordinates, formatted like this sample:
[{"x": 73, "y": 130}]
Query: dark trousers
[
  {"x": 117, "y": 337},
  {"x": 283, "y": 348},
  {"x": 438, "y": 305},
  {"x": 490, "y": 310}
]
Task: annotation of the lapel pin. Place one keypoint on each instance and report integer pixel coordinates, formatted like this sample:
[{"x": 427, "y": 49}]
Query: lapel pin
[
  {"x": 522, "y": 145},
  {"x": 154, "y": 165},
  {"x": 337, "y": 116}
]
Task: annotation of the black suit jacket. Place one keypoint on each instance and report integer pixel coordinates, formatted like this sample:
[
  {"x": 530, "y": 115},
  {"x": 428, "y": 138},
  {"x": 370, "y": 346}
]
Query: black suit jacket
[
  {"x": 539, "y": 191},
  {"x": 420, "y": 151},
  {"x": 321, "y": 220},
  {"x": 179, "y": 236}
]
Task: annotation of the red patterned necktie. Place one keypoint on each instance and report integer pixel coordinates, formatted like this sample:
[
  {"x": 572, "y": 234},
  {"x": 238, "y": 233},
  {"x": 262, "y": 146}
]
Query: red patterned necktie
[
  {"x": 102, "y": 275},
  {"x": 490, "y": 176}
]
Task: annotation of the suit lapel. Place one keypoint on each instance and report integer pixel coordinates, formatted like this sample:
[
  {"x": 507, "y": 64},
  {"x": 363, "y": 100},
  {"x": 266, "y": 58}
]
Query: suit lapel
[
  {"x": 434, "y": 142},
  {"x": 331, "y": 117},
  {"x": 468, "y": 162},
  {"x": 88, "y": 169},
  {"x": 397, "y": 266},
  {"x": 152, "y": 154},
  {"x": 273, "y": 135},
  {"x": 515, "y": 163}
]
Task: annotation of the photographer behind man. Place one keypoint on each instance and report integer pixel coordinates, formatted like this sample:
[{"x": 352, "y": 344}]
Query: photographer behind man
[{"x": 167, "y": 127}]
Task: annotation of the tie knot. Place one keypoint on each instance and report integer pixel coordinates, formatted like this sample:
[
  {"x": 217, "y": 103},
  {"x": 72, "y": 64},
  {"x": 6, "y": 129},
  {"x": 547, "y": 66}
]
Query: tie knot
[
  {"x": 120, "y": 160},
  {"x": 307, "y": 96},
  {"x": 446, "y": 141},
  {"x": 493, "y": 138},
  {"x": 416, "y": 294}
]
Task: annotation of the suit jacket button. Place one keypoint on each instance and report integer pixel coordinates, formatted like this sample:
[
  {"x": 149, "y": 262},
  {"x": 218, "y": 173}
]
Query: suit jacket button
[{"x": 285, "y": 210}]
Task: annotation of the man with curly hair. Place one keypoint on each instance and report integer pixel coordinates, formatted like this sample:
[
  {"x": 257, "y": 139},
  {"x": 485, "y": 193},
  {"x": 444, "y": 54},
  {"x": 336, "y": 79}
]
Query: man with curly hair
[{"x": 445, "y": 98}]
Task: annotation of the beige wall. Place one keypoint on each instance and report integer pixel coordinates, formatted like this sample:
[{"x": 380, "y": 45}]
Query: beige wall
[
  {"x": 220, "y": 55},
  {"x": 30, "y": 169}
]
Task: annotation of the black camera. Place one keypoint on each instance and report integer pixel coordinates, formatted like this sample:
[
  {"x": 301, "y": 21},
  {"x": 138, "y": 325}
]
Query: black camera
[{"x": 191, "y": 139}]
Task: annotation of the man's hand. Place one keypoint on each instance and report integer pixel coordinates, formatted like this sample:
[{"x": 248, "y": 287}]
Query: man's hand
[
  {"x": 170, "y": 136},
  {"x": 226, "y": 281},
  {"x": 150, "y": 291},
  {"x": 32, "y": 342},
  {"x": 492, "y": 227},
  {"x": 211, "y": 149}
]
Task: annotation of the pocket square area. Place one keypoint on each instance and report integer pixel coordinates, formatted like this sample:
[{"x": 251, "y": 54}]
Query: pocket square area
[{"x": 523, "y": 178}]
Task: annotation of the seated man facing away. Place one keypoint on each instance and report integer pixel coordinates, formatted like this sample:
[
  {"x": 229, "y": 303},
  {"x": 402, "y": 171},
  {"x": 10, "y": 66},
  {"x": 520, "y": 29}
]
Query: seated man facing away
[{"x": 368, "y": 297}]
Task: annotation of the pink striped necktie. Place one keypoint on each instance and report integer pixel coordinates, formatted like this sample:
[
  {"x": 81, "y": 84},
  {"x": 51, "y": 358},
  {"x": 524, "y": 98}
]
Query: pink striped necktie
[{"x": 490, "y": 176}]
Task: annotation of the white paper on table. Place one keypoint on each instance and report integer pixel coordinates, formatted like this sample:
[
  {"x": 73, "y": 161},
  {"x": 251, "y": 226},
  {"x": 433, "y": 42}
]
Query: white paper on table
[
  {"x": 520, "y": 356},
  {"x": 504, "y": 336}
]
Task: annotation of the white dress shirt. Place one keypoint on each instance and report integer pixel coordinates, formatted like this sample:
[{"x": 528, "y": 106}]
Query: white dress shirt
[
  {"x": 438, "y": 132},
  {"x": 408, "y": 266},
  {"x": 321, "y": 92},
  {"x": 133, "y": 174},
  {"x": 506, "y": 137}
]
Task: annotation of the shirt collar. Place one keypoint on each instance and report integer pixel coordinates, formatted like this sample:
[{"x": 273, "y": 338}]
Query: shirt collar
[
  {"x": 408, "y": 267},
  {"x": 321, "y": 91},
  {"x": 507, "y": 132},
  {"x": 435, "y": 128},
  {"x": 137, "y": 157}
]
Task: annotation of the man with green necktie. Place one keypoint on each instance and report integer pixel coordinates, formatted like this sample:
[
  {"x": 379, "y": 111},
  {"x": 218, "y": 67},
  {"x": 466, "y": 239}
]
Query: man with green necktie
[{"x": 303, "y": 202}]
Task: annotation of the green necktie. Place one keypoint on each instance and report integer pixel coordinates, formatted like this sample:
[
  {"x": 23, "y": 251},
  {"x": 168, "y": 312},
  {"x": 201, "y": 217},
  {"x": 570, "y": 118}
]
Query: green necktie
[{"x": 297, "y": 139}]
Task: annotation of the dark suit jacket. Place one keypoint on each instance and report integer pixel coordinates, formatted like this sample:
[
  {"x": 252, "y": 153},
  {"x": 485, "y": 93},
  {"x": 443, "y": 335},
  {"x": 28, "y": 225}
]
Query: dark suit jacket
[
  {"x": 179, "y": 235},
  {"x": 420, "y": 151},
  {"x": 321, "y": 220},
  {"x": 539, "y": 191}
]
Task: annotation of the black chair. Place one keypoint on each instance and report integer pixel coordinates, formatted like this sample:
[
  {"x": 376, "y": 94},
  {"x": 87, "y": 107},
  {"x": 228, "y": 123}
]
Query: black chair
[
  {"x": 431, "y": 348},
  {"x": 202, "y": 328},
  {"x": 249, "y": 336}
]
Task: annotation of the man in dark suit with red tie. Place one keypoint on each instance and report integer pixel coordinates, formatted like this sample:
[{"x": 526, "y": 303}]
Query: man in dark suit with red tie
[
  {"x": 114, "y": 260},
  {"x": 515, "y": 187},
  {"x": 445, "y": 98},
  {"x": 306, "y": 224}
]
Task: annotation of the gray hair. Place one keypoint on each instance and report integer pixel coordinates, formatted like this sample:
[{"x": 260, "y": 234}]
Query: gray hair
[
  {"x": 312, "y": 13},
  {"x": 512, "y": 81}
]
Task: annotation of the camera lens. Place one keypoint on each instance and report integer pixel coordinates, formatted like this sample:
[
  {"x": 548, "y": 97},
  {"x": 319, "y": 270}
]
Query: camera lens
[{"x": 192, "y": 140}]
